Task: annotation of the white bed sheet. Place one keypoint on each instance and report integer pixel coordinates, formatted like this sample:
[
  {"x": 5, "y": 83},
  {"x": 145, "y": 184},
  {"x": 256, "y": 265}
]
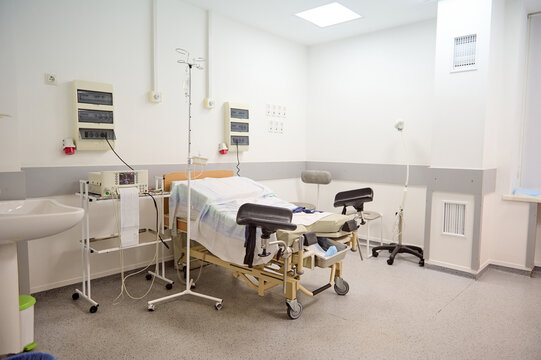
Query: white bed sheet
[{"x": 215, "y": 203}]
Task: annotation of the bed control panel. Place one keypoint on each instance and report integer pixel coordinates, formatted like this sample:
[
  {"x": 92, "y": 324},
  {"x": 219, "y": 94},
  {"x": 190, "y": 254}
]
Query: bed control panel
[{"x": 237, "y": 126}]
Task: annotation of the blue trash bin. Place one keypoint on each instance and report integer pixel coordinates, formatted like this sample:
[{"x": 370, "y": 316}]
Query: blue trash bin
[{"x": 31, "y": 356}]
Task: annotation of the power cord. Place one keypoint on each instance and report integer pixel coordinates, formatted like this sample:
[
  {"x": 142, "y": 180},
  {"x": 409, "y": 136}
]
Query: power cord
[
  {"x": 105, "y": 137},
  {"x": 123, "y": 287},
  {"x": 238, "y": 161}
]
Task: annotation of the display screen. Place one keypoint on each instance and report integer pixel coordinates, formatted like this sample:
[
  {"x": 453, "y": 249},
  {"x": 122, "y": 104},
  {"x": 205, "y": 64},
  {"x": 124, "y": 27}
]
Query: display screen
[
  {"x": 94, "y": 97},
  {"x": 239, "y": 127},
  {"x": 97, "y": 134},
  {"x": 126, "y": 178},
  {"x": 240, "y": 140},
  {"x": 95, "y": 116},
  {"x": 239, "y": 113}
]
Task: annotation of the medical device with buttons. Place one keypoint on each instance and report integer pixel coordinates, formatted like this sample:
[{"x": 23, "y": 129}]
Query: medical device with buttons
[
  {"x": 237, "y": 126},
  {"x": 94, "y": 115},
  {"x": 106, "y": 183}
]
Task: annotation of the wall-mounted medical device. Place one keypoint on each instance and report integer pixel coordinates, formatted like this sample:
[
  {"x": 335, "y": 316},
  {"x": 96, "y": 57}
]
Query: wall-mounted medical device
[
  {"x": 94, "y": 115},
  {"x": 237, "y": 126},
  {"x": 106, "y": 183}
]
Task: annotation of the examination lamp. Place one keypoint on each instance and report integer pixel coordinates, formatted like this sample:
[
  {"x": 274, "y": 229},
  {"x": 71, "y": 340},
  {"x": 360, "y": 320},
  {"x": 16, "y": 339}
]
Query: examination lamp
[{"x": 396, "y": 248}]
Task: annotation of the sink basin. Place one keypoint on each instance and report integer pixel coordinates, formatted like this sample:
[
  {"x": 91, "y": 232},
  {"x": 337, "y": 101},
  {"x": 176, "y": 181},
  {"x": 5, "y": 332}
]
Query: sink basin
[
  {"x": 35, "y": 218},
  {"x": 24, "y": 220}
]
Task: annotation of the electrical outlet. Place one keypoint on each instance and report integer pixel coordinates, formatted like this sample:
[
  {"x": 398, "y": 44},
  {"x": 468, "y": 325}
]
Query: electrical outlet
[
  {"x": 281, "y": 127},
  {"x": 50, "y": 79},
  {"x": 155, "y": 96},
  {"x": 271, "y": 126},
  {"x": 268, "y": 111},
  {"x": 209, "y": 103}
]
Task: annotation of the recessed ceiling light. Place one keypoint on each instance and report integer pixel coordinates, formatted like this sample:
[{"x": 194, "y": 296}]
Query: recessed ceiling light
[{"x": 327, "y": 15}]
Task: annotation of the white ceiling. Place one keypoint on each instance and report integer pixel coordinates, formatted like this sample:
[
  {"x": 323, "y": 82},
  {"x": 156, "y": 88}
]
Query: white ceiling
[{"x": 278, "y": 16}]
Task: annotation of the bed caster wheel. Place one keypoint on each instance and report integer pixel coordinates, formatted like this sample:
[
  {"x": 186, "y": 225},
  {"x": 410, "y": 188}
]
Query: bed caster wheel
[
  {"x": 75, "y": 296},
  {"x": 422, "y": 262},
  {"x": 148, "y": 276},
  {"x": 218, "y": 306},
  {"x": 390, "y": 261},
  {"x": 168, "y": 286},
  {"x": 150, "y": 308},
  {"x": 93, "y": 309},
  {"x": 374, "y": 253},
  {"x": 294, "y": 311},
  {"x": 341, "y": 287}
]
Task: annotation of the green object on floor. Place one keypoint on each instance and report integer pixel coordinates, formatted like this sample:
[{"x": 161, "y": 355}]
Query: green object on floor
[
  {"x": 30, "y": 346},
  {"x": 25, "y": 301}
]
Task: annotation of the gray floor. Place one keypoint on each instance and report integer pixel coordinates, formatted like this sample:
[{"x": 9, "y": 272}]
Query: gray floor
[{"x": 391, "y": 312}]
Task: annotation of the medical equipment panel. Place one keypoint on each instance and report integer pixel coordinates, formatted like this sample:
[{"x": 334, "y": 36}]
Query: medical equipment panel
[
  {"x": 237, "y": 126},
  {"x": 94, "y": 115},
  {"x": 106, "y": 183}
]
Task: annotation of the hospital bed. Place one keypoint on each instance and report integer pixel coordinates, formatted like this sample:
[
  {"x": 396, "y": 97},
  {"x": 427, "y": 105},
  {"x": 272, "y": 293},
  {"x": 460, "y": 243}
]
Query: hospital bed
[{"x": 280, "y": 260}]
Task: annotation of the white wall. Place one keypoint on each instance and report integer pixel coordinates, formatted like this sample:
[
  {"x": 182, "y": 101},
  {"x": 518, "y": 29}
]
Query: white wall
[
  {"x": 460, "y": 98},
  {"x": 112, "y": 42},
  {"x": 358, "y": 87},
  {"x": 9, "y": 148},
  {"x": 509, "y": 223}
]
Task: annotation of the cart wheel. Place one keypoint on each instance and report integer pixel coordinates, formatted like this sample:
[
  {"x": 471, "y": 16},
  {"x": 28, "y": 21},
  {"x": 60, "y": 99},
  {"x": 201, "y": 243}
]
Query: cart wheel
[
  {"x": 75, "y": 296},
  {"x": 168, "y": 286},
  {"x": 218, "y": 306},
  {"x": 294, "y": 314},
  {"x": 342, "y": 290},
  {"x": 150, "y": 308},
  {"x": 148, "y": 276},
  {"x": 93, "y": 309},
  {"x": 422, "y": 262},
  {"x": 390, "y": 261},
  {"x": 374, "y": 253}
]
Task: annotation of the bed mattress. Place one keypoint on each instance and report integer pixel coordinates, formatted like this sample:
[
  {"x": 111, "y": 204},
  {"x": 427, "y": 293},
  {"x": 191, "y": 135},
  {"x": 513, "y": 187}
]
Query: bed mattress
[{"x": 215, "y": 202}]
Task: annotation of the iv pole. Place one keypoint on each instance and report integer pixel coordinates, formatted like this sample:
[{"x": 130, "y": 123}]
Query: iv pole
[{"x": 191, "y": 63}]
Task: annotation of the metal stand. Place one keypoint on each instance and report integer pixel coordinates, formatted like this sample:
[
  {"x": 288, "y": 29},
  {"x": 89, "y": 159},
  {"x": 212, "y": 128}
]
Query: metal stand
[
  {"x": 85, "y": 251},
  {"x": 188, "y": 290},
  {"x": 396, "y": 248},
  {"x": 110, "y": 244}
]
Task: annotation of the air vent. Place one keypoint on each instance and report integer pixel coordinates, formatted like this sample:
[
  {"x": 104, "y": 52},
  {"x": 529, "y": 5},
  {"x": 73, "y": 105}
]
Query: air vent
[
  {"x": 464, "y": 54},
  {"x": 454, "y": 214}
]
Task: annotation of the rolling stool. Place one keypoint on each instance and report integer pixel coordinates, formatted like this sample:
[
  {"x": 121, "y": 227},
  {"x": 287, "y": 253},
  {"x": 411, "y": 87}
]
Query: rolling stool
[
  {"x": 356, "y": 199},
  {"x": 367, "y": 217}
]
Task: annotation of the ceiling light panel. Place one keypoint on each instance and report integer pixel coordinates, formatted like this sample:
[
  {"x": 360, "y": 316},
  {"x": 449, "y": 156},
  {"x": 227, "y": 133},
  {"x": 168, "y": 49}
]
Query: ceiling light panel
[{"x": 327, "y": 15}]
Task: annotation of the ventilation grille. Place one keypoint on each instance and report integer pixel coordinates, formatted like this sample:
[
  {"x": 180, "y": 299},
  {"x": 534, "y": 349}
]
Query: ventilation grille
[
  {"x": 454, "y": 215},
  {"x": 464, "y": 54}
]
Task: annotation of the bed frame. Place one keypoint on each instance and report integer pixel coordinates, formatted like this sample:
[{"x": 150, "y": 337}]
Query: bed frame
[{"x": 278, "y": 272}]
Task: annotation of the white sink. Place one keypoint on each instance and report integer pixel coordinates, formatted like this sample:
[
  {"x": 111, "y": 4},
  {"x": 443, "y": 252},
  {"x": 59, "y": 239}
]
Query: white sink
[
  {"x": 35, "y": 218},
  {"x": 24, "y": 220}
]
